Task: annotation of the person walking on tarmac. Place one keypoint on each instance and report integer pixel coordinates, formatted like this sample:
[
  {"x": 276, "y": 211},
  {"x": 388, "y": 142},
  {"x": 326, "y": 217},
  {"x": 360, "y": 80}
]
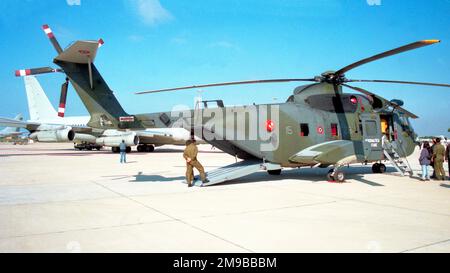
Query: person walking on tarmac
[
  {"x": 190, "y": 155},
  {"x": 439, "y": 157},
  {"x": 425, "y": 160},
  {"x": 123, "y": 152}
]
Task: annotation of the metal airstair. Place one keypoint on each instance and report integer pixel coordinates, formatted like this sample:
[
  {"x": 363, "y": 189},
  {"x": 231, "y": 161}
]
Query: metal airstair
[
  {"x": 234, "y": 171},
  {"x": 401, "y": 164}
]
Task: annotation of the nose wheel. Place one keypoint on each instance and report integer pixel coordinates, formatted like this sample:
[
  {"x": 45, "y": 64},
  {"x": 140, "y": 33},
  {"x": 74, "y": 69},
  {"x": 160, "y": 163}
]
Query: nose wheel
[{"x": 335, "y": 175}]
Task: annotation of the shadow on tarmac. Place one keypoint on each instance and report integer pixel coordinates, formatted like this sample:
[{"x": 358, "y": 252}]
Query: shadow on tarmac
[
  {"x": 155, "y": 178},
  {"x": 301, "y": 175},
  {"x": 310, "y": 175}
]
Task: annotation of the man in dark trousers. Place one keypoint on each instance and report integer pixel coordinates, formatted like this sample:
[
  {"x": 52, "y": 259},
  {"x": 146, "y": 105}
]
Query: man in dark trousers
[
  {"x": 190, "y": 155},
  {"x": 447, "y": 158},
  {"x": 123, "y": 152}
]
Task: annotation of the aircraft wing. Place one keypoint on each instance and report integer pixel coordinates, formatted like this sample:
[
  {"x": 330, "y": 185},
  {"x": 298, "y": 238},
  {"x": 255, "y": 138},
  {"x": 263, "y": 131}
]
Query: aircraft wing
[
  {"x": 327, "y": 153},
  {"x": 30, "y": 126},
  {"x": 82, "y": 129}
]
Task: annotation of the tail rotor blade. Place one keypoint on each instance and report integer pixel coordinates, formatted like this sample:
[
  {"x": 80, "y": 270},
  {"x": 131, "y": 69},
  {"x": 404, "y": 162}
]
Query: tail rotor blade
[
  {"x": 35, "y": 71},
  {"x": 63, "y": 98},
  {"x": 48, "y": 31}
]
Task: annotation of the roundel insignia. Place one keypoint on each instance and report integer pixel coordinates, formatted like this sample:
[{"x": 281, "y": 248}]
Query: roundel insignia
[
  {"x": 270, "y": 125},
  {"x": 320, "y": 130}
]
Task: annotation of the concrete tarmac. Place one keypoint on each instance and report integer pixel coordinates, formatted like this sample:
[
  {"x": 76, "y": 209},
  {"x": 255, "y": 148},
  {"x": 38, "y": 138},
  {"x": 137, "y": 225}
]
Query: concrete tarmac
[{"x": 56, "y": 199}]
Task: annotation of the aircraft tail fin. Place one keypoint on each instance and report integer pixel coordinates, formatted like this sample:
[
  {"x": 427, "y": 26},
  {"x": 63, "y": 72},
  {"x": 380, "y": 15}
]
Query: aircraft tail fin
[
  {"x": 77, "y": 63},
  {"x": 39, "y": 105}
]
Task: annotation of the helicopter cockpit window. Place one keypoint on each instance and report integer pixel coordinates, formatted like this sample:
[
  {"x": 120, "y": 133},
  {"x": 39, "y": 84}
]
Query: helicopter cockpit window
[
  {"x": 370, "y": 128},
  {"x": 304, "y": 129},
  {"x": 290, "y": 99},
  {"x": 331, "y": 103}
]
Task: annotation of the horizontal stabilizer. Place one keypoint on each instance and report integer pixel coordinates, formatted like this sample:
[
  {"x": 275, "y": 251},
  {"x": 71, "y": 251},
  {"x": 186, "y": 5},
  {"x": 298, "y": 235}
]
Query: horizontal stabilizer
[{"x": 82, "y": 52}]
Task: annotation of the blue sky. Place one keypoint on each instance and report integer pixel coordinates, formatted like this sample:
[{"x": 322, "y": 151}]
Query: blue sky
[{"x": 153, "y": 44}]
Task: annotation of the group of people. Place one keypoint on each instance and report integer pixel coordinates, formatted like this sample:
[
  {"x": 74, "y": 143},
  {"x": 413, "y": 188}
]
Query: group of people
[{"x": 434, "y": 155}]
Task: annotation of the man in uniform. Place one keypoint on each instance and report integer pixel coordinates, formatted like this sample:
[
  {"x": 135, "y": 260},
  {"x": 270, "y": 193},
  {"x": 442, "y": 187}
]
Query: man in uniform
[
  {"x": 439, "y": 157},
  {"x": 190, "y": 155},
  {"x": 447, "y": 158}
]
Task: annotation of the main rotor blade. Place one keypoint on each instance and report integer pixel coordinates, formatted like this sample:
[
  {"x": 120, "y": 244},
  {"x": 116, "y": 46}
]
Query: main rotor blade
[
  {"x": 368, "y": 93},
  {"x": 403, "y": 82},
  {"x": 387, "y": 54},
  {"x": 226, "y": 83}
]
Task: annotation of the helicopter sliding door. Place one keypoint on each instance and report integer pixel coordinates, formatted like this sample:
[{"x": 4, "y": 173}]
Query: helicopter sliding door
[{"x": 371, "y": 132}]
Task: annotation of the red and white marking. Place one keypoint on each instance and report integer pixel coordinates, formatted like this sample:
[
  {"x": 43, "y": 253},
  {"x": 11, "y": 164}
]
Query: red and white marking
[
  {"x": 126, "y": 119},
  {"x": 61, "y": 110},
  {"x": 100, "y": 43},
  {"x": 23, "y": 72},
  {"x": 48, "y": 31}
]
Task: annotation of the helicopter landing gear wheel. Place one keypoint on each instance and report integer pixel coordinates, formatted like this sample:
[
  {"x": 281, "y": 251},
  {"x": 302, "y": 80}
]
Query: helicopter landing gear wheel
[
  {"x": 378, "y": 168},
  {"x": 335, "y": 176}
]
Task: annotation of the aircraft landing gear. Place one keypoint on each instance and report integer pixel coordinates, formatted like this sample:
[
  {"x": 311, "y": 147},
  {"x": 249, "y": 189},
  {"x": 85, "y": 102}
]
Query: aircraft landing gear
[
  {"x": 378, "y": 168},
  {"x": 334, "y": 175},
  {"x": 143, "y": 148}
]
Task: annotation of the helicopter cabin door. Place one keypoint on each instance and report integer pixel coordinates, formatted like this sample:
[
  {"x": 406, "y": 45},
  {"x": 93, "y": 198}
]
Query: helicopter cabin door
[{"x": 371, "y": 132}]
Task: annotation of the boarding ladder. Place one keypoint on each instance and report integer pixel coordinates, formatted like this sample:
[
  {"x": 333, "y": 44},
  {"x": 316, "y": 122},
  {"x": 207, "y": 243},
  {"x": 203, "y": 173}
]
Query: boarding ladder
[
  {"x": 401, "y": 164},
  {"x": 234, "y": 171}
]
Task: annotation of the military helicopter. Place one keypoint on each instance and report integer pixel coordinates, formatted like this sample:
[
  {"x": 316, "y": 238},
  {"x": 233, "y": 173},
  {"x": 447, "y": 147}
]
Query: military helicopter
[
  {"x": 325, "y": 126},
  {"x": 318, "y": 126}
]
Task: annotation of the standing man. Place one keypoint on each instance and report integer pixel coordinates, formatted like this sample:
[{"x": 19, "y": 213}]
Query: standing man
[
  {"x": 447, "y": 158},
  {"x": 123, "y": 152},
  {"x": 439, "y": 157},
  {"x": 190, "y": 155}
]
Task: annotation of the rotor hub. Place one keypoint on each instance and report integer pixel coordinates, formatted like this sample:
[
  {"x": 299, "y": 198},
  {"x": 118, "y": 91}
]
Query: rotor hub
[{"x": 331, "y": 77}]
